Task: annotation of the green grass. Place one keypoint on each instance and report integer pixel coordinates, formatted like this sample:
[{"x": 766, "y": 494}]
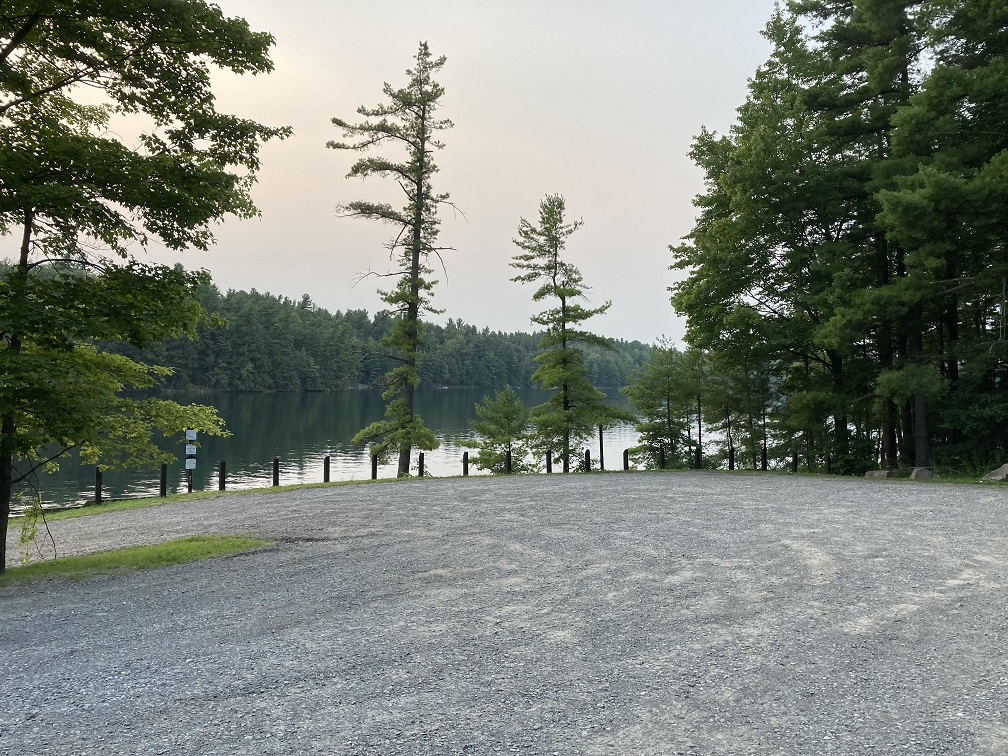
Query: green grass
[
  {"x": 119, "y": 505},
  {"x": 134, "y": 558}
]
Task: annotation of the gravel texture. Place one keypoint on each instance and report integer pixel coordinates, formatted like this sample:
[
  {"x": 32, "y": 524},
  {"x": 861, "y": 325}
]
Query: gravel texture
[{"x": 648, "y": 613}]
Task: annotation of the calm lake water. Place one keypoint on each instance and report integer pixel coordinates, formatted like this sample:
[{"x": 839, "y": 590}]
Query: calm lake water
[{"x": 301, "y": 429}]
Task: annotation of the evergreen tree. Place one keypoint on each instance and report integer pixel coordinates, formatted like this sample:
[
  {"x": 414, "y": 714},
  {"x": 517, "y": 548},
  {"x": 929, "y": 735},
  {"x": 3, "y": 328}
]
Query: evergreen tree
[
  {"x": 408, "y": 120},
  {"x": 503, "y": 426},
  {"x": 660, "y": 398},
  {"x": 576, "y": 406}
]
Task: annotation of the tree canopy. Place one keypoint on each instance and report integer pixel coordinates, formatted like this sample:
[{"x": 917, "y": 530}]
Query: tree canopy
[
  {"x": 849, "y": 253},
  {"x": 81, "y": 200}
]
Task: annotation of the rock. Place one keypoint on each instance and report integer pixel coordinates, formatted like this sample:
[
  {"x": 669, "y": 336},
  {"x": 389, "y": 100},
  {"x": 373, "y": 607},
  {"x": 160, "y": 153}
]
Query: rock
[
  {"x": 922, "y": 473},
  {"x": 879, "y": 474},
  {"x": 1001, "y": 474}
]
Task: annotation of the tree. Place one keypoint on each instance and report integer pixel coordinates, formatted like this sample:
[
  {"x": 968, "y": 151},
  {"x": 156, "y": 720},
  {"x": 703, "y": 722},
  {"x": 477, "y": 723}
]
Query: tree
[
  {"x": 407, "y": 120},
  {"x": 576, "y": 406},
  {"x": 503, "y": 426},
  {"x": 660, "y": 398},
  {"x": 82, "y": 200}
]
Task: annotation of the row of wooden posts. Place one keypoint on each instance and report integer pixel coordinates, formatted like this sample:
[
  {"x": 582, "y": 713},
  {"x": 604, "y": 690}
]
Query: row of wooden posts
[
  {"x": 326, "y": 463},
  {"x": 222, "y": 470}
]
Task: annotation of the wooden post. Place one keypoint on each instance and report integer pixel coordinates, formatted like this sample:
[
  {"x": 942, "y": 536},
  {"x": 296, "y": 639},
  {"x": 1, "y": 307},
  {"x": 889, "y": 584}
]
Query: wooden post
[
  {"x": 420, "y": 465},
  {"x": 465, "y": 464},
  {"x": 221, "y": 476},
  {"x": 549, "y": 462},
  {"x": 601, "y": 450},
  {"x": 97, "y": 485},
  {"x": 374, "y": 467},
  {"x": 763, "y": 462},
  {"x": 794, "y": 462},
  {"x": 829, "y": 464},
  {"x": 164, "y": 480},
  {"x": 507, "y": 461},
  {"x": 661, "y": 457},
  {"x": 189, "y": 481},
  {"x": 276, "y": 471},
  {"x": 626, "y": 459},
  {"x": 731, "y": 458},
  {"x": 587, "y": 460},
  {"x": 325, "y": 469}
]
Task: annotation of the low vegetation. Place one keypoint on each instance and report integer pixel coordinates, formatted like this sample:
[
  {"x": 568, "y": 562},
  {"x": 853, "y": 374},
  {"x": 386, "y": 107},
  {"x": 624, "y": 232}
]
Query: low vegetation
[{"x": 134, "y": 558}]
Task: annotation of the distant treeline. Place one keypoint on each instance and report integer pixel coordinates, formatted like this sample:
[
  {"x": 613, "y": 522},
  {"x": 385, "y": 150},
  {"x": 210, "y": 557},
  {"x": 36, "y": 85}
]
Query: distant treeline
[{"x": 274, "y": 343}]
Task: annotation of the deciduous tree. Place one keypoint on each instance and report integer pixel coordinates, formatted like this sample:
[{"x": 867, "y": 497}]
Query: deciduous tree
[{"x": 81, "y": 201}]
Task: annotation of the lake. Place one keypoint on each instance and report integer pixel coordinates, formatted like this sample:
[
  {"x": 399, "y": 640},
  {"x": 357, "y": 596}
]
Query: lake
[{"x": 301, "y": 429}]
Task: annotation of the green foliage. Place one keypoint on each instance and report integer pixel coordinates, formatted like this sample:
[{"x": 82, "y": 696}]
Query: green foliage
[
  {"x": 82, "y": 199},
  {"x": 407, "y": 121},
  {"x": 576, "y": 406},
  {"x": 503, "y": 427},
  {"x": 662, "y": 396},
  {"x": 848, "y": 260}
]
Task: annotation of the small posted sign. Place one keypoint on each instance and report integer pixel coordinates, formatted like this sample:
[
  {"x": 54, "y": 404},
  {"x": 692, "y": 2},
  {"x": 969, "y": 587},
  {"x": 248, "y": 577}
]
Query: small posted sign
[{"x": 190, "y": 449}]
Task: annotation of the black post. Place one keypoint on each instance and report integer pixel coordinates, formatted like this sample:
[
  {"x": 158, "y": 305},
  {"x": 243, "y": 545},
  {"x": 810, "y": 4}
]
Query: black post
[
  {"x": 97, "y": 486},
  {"x": 374, "y": 467},
  {"x": 189, "y": 481},
  {"x": 325, "y": 469},
  {"x": 276, "y": 471},
  {"x": 420, "y": 465},
  {"x": 794, "y": 462},
  {"x": 731, "y": 458},
  {"x": 601, "y": 450},
  {"x": 221, "y": 476},
  {"x": 549, "y": 462},
  {"x": 507, "y": 461},
  {"x": 698, "y": 462},
  {"x": 626, "y": 459},
  {"x": 829, "y": 464},
  {"x": 587, "y": 460},
  {"x": 465, "y": 464},
  {"x": 661, "y": 457},
  {"x": 763, "y": 464},
  {"x": 164, "y": 480}
]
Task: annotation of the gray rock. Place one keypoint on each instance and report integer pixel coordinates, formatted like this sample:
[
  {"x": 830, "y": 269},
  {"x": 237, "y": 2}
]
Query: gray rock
[
  {"x": 879, "y": 474},
  {"x": 922, "y": 473},
  {"x": 1001, "y": 474}
]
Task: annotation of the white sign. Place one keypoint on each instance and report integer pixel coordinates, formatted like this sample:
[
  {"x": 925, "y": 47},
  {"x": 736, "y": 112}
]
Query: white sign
[
  {"x": 190, "y": 434},
  {"x": 190, "y": 450},
  {"x": 190, "y": 464}
]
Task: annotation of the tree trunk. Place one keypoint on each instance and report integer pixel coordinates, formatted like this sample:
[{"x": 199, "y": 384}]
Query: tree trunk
[
  {"x": 6, "y": 481},
  {"x": 921, "y": 432}
]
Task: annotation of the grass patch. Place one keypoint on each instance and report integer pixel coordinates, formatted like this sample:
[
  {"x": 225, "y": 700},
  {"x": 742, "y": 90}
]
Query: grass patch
[{"x": 134, "y": 558}]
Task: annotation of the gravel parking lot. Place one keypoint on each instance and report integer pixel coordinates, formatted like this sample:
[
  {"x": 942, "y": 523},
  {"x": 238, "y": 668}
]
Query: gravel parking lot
[{"x": 647, "y": 613}]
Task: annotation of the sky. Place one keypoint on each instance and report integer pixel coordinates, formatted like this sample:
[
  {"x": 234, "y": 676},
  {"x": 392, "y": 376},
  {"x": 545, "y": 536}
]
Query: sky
[{"x": 596, "y": 100}]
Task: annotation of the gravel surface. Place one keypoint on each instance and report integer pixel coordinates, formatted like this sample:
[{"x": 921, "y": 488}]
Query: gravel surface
[{"x": 658, "y": 613}]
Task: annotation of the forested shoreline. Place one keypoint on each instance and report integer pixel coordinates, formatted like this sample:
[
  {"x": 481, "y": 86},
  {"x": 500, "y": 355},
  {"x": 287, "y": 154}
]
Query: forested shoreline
[{"x": 265, "y": 342}]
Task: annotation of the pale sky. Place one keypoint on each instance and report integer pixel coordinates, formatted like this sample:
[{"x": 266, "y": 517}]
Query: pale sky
[{"x": 597, "y": 101}]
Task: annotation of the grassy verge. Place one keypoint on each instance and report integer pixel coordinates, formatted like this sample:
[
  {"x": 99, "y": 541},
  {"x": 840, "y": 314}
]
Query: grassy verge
[
  {"x": 118, "y": 505},
  {"x": 134, "y": 558}
]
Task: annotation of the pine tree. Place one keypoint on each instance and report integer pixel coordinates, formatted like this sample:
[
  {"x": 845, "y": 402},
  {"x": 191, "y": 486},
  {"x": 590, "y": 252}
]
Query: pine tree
[
  {"x": 576, "y": 406},
  {"x": 408, "y": 120}
]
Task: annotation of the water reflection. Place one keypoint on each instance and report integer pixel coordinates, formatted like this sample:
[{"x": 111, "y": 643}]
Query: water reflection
[{"x": 302, "y": 429}]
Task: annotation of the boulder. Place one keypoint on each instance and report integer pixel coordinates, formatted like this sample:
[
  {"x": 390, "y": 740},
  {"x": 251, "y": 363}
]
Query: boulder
[
  {"x": 1000, "y": 475},
  {"x": 922, "y": 473},
  {"x": 879, "y": 474}
]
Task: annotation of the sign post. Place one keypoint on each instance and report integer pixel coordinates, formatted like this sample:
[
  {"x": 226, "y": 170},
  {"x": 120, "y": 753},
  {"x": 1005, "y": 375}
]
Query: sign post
[{"x": 190, "y": 456}]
